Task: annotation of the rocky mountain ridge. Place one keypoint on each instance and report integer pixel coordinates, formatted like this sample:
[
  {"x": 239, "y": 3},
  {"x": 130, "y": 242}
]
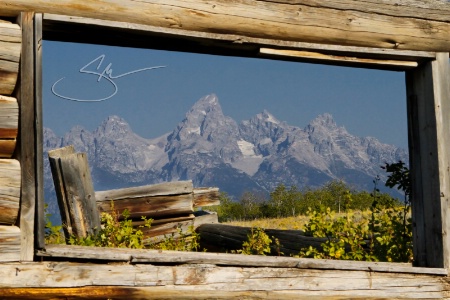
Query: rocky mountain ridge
[{"x": 214, "y": 150}]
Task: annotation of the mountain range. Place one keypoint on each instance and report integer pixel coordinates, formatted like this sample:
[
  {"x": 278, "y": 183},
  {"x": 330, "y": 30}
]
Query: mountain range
[{"x": 212, "y": 149}]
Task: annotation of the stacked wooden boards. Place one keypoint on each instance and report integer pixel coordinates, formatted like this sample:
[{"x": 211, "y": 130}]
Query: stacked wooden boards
[
  {"x": 170, "y": 205},
  {"x": 10, "y": 174}
]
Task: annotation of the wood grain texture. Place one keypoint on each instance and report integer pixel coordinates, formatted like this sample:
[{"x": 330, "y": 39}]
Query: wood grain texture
[
  {"x": 9, "y": 117},
  {"x": 9, "y": 191},
  {"x": 392, "y": 24},
  {"x": 429, "y": 145},
  {"x": 79, "y": 194},
  {"x": 9, "y": 243},
  {"x": 10, "y": 45},
  {"x": 55, "y": 166},
  {"x": 153, "y": 206},
  {"x": 206, "y": 196},
  {"x": 160, "y": 189},
  {"x": 225, "y": 259},
  {"x": 125, "y": 281},
  {"x": 26, "y": 139},
  {"x": 40, "y": 202}
]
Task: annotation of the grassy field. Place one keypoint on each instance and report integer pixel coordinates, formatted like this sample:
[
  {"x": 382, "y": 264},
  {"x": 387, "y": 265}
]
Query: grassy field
[{"x": 295, "y": 223}]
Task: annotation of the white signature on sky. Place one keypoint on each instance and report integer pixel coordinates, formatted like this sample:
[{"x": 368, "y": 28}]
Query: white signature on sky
[{"x": 106, "y": 74}]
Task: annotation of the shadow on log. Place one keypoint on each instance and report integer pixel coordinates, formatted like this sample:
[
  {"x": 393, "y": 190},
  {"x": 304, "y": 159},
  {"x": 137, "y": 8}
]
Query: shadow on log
[{"x": 225, "y": 238}]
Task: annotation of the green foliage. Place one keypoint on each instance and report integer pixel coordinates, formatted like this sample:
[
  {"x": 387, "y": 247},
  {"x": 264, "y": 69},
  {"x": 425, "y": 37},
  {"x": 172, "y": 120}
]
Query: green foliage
[
  {"x": 189, "y": 241},
  {"x": 290, "y": 201},
  {"x": 257, "y": 243},
  {"x": 115, "y": 233},
  {"x": 385, "y": 236},
  {"x": 53, "y": 233}
]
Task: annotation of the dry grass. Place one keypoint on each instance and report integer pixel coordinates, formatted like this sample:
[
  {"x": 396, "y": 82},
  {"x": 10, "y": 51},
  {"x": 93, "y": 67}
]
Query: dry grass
[{"x": 295, "y": 223}]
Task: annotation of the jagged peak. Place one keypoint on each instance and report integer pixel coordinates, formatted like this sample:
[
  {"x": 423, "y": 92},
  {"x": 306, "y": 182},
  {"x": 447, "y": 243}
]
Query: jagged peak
[
  {"x": 268, "y": 117},
  {"x": 325, "y": 120},
  {"x": 114, "y": 123}
]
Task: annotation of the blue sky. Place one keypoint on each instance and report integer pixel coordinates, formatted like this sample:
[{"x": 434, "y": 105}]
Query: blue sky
[{"x": 365, "y": 102}]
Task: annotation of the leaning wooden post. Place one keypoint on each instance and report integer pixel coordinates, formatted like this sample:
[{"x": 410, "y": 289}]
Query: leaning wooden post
[
  {"x": 428, "y": 91},
  {"x": 75, "y": 192}
]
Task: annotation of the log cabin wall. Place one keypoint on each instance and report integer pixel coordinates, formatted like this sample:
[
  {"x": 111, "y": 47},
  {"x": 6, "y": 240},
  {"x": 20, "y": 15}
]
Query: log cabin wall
[{"x": 10, "y": 172}]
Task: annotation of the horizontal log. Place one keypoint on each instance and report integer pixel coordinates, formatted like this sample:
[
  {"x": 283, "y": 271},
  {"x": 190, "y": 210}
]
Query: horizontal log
[
  {"x": 9, "y": 117},
  {"x": 61, "y": 280},
  {"x": 157, "y": 233},
  {"x": 150, "y": 206},
  {"x": 7, "y": 148},
  {"x": 226, "y": 238},
  {"x": 206, "y": 196},
  {"x": 9, "y": 123},
  {"x": 10, "y": 182},
  {"x": 412, "y": 24},
  {"x": 9, "y": 243},
  {"x": 181, "y": 218},
  {"x": 160, "y": 189},
  {"x": 10, "y": 47},
  {"x": 136, "y": 256}
]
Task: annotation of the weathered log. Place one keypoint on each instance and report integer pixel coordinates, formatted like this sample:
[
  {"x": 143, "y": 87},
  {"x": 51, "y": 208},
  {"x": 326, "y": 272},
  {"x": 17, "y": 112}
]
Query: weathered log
[
  {"x": 225, "y": 238},
  {"x": 412, "y": 24},
  {"x": 160, "y": 189},
  {"x": 10, "y": 181},
  {"x": 206, "y": 197},
  {"x": 73, "y": 180},
  {"x": 9, "y": 117},
  {"x": 157, "y": 233},
  {"x": 205, "y": 217},
  {"x": 10, "y": 46},
  {"x": 150, "y": 206},
  {"x": 140, "y": 222},
  {"x": 66, "y": 280},
  {"x": 9, "y": 243}
]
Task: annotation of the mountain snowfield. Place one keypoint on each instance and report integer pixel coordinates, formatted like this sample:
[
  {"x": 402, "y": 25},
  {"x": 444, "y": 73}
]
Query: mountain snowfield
[{"x": 214, "y": 150}]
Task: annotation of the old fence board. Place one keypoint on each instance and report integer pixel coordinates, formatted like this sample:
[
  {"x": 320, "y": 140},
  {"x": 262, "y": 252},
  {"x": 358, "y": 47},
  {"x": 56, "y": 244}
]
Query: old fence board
[
  {"x": 153, "y": 206},
  {"x": 10, "y": 183}
]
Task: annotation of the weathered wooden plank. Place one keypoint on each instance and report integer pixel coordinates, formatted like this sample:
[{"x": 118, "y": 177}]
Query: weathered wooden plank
[
  {"x": 203, "y": 217},
  {"x": 40, "y": 201},
  {"x": 429, "y": 146},
  {"x": 54, "y": 159},
  {"x": 80, "y": 195},
  {"x": 206, "y": 196},
  {"x": 26, "y": 139},
  {"x": 9, "y": 190},
  {"x": 10, "y": 45},
  {"x": 138, "y": 35},
  {"x": 9, "y": 243},
  {"x": 166, "y": 220},
  {"x": 318, "y": 57},
  {"x": 209, "y": 281},
  {"x": 322, "y": 21},
  {"x": 157, "y": 233},
  {"x": 153, "y": 206},
  {"x": 226, "y": 259},
  {"x": 160, "y": 189}
]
